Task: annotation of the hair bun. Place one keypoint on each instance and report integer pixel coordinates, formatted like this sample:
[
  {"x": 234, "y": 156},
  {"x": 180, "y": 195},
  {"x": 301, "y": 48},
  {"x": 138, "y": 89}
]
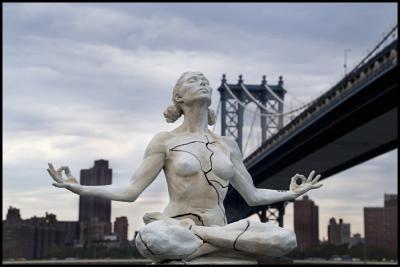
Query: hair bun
[{"x": 172, "y": 113}]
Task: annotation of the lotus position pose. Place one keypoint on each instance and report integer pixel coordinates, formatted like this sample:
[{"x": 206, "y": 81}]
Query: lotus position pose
[{"x": 198, "y": 165}]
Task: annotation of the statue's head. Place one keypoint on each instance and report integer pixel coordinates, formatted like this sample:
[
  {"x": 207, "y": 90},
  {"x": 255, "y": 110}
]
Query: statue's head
[{"x": 190, "y": 88}]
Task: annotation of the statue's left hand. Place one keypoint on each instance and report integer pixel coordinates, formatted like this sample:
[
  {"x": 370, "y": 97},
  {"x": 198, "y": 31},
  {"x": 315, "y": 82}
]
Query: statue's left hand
[
  {"x": 306, "y": 183},
  {"x": 70, "y": 183}
]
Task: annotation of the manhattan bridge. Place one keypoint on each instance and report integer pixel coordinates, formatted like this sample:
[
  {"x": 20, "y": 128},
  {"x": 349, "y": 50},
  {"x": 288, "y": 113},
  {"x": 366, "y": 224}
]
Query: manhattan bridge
[{"x": 352, "y": 122}]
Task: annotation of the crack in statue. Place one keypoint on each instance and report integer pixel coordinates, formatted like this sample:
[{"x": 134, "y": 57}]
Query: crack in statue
[{"x": 198, "y": 173}]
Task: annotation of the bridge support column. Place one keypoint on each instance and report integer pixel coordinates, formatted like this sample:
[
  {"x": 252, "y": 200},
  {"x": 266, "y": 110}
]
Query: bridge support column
[
  {"x": 263, "y": 119},
  {"x": 223, "y": 113},
  {"x": 272, "y": 213},
  {"x": 281, "y": 94}
]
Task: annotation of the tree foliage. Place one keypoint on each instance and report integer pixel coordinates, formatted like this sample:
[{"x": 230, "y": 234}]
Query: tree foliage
[{"x": 62, "y": 252}]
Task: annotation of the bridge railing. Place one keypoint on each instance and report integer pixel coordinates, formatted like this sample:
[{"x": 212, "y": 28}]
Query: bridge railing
[{"x": 356, "y": 79}]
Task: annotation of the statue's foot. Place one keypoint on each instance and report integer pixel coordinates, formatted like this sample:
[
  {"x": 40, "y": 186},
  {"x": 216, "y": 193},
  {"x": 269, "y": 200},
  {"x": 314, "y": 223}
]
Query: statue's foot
[{"x": 187, "y": 223}]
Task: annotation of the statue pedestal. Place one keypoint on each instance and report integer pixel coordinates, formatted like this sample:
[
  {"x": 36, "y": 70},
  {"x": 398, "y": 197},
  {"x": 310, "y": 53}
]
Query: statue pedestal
[
  {"x": 215, "y": 260},
  {"x": 223, "y": 260}
]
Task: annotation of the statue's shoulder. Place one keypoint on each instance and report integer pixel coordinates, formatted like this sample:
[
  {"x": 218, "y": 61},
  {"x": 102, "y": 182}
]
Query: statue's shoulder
[
  {"x": 158, "y": 143},
  {"x": 163, "y": 136},
  {"x": 230, "y": 142}
]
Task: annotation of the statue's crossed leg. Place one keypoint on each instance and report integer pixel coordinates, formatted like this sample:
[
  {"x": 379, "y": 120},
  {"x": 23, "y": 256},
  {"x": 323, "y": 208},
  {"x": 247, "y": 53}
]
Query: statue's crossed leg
[{"x": 164, "y": 238}]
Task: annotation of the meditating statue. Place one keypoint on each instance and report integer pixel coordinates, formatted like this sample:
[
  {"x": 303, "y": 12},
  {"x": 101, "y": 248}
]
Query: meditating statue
[{"x": 198, "y": 165}]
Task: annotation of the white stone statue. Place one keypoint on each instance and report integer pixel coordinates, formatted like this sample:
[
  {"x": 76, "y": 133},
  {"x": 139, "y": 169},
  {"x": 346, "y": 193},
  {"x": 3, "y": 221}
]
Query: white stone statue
[{"x": 198, "y": 165}]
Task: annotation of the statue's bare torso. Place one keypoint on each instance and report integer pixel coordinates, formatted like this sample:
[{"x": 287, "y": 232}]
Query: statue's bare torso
[{"x": 198, "y": 169}]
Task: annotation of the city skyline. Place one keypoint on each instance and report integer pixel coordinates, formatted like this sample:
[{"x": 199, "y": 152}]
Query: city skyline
[
  {"x": 34, "y": 238},
  {"x": 80, "y": 80},
  {"x": 305, "y": 197}
]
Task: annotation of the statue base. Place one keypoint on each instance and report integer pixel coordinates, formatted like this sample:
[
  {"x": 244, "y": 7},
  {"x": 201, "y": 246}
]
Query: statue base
[
  {"x": 232, "y": 258},
  {"x": 214, "y": 260}
]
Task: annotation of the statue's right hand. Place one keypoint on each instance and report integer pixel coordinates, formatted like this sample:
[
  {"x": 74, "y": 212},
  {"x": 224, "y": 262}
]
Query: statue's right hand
[{"x": 71, "y": 183}]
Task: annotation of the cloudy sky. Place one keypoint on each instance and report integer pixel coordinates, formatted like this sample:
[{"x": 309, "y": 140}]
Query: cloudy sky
[{"x": 89, "y": 81}]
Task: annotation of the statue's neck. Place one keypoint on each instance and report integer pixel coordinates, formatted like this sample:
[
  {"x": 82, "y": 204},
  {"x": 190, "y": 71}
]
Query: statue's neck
[{"x": 196, "y": 118}]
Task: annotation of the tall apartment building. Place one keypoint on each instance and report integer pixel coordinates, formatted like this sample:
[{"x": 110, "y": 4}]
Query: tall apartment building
[
  {"x": 306, "y": 223},
  {"x": 95, "y": 212},
  {"x": 380, "y": 224}
]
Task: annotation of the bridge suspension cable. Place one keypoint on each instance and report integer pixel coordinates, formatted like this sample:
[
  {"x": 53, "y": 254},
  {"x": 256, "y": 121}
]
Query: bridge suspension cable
[
  {"x": 216, "y": 116},
  {"x": 375, "y": 48},
  {"x": 251, "y": 130},
  {"x": 264, "y": 114},
  {"x": 272, "y": 93},
  {"x": 261, "y": 106}
]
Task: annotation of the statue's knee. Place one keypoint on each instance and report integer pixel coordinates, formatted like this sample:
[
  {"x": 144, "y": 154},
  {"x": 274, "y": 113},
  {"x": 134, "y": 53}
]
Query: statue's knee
[
  {"x": 290, "y": 239},
  {"x": 160, "y": 241},
  {"x": 147, "y": 241},
  {"x": 278, "y": 242},
  {"x": 287, "y": 240}
]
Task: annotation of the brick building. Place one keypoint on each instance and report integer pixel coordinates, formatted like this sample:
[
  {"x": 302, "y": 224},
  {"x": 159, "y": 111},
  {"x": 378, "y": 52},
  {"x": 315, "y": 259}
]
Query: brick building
[
  {"x": 306, "y": 223},
  {"x": 380, "y": 224},
  {"x": 121, "y": 228}
]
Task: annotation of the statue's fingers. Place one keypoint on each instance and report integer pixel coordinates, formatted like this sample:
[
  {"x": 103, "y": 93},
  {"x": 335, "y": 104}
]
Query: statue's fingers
[
  {"x": 59, "y": 171},
  {"x": 67, "y": 171},
  {"x": 63, "y": 168},
  {"x": 310, "y": 176},
  {"x": 51, "y": 167},
  {"x": 316, "y": 179},
  {"x": 294, "y": 178},
  {"x": 303, "y": 179},
  {"x": 54, "y": 175},
  {"x": 316, "y": 186}
]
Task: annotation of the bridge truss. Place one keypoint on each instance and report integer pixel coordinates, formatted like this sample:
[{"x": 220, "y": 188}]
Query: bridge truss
[{"x": 235, "y": 97}]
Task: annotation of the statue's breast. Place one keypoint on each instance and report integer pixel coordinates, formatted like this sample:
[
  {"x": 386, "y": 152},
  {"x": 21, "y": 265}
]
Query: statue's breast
[
  {"x": 185, "y": 164},
  {"x": 189, "y": 158},
  {"x": 222, "y": 165}
]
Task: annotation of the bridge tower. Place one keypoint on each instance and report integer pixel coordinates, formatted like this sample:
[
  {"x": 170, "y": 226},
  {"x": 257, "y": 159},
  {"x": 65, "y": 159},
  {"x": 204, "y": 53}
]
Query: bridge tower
[
  {"x": 272, "y": 213},
  {"x": 232, "y": 111}
]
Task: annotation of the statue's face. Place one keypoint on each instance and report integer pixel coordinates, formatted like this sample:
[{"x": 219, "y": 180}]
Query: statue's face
[{"x": 194, "y": 87}]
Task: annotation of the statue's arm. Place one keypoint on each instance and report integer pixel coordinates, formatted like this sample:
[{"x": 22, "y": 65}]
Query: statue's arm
[
  {"x": 243, "y": 182},
  {"x": 144, "y": 175}
]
